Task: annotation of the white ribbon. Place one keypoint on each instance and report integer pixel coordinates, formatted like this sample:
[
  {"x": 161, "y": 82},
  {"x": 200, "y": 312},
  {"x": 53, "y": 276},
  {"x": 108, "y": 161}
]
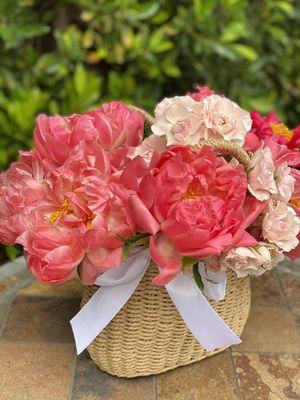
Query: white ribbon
[
  {"x": 214, "y": 283},
  {"x": 117, "y": 286}
]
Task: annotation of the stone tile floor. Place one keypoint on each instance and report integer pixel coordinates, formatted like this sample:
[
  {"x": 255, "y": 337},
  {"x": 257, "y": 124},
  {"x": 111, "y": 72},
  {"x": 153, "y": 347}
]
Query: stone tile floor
[{"x": 38, "y": 362}]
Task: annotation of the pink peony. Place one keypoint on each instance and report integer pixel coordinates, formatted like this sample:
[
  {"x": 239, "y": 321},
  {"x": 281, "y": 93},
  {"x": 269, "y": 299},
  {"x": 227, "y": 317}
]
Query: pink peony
[
  {"x": 281, "y": 225},
  {"x": 200, "y": 202},
  {"x": 270, "y": 126},
  {"x": 294, "y": 142},
  {"x": 201, "y": 93},
  {"x": 251, "y": 260}
]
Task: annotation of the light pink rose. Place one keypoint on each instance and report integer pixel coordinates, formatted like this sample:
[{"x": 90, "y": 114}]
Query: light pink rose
[
  {"x": 251, "y": 260},
  {"x": 224, "y": 119},
  {"x": 185, "y": 121},
  {"x": 285, "y": 183},
  {"x": 178, "y": 119},
  {"x": 261, "y": 178},
  {"x": 281, "y": 225}
]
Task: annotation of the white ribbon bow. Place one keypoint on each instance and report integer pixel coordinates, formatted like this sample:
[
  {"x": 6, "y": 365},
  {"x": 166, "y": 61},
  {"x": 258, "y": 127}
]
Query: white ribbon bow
[{"x": 117, "y": 286}]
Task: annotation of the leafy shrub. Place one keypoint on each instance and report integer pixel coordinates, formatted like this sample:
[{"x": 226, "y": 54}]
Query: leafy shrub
[{"x": 67, "y": 56}]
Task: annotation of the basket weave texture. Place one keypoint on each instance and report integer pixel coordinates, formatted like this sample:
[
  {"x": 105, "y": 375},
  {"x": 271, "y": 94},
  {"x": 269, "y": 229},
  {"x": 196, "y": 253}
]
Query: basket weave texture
[{"x": 148, "y": 336}]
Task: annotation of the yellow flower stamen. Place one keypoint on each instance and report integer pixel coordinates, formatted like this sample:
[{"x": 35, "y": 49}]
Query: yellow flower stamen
[
  {"x": 295, "y": 203},
  {"x": 281, "y": 130},
  {"x": 67, "y": 209},
  {"x": 64, "y": 209},
  {"x": 192, "y": 194}
]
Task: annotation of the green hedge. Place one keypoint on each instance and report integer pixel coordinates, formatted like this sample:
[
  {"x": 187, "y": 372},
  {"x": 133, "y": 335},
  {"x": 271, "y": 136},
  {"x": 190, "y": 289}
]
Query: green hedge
[{"x": 69, "y": 55}]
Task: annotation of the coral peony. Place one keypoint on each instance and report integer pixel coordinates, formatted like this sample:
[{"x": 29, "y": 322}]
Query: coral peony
[
  {"x": 200, "y": 202},
  {"x": 21, "y": 190},
  {"x": 52, "y": 253},
  {"x": 117, "y": 125},
  {"x": 111, "y": 126}
]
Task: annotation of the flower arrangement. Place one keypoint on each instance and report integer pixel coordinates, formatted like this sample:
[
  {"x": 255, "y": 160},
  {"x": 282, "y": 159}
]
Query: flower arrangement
[{"x": 93, "y": 190}]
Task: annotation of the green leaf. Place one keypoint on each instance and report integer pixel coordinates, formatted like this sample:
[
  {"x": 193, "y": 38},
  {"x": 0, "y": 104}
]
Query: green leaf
[
  {"x": 11, "y": 252},
  {"x": 233, "y": 31},
  {"x": 203, "y": 8},
  {"x": 197, "y": 277},
  {"x": 225, "y": 51},
  {"x": 145, "y": 10},
  {"x": 80, "y": 79},
  {"x": 245, "y": 51},
  {"x": 172, "y": 70},
  {"x": 163, "y": 46}
]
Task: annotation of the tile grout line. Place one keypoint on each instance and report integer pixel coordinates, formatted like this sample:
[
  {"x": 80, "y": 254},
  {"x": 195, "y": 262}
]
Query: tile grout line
[
  {"x": 235, "y": 379},
  {"x": 7, "y": 312},
  {"x": 154, "y": 388},
  {"x": 73, "y": 376}
]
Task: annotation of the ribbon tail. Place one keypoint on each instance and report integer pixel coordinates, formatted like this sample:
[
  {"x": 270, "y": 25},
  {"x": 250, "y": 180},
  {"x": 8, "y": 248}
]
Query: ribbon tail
[
  {"x": 105, "y": 304},
  {"x": 199, "y": 316}
]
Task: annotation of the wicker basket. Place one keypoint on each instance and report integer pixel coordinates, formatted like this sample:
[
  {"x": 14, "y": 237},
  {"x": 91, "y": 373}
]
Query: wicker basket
[{"x": 148, "y": 336}]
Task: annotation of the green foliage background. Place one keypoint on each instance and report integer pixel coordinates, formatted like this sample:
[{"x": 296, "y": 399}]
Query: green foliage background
[{"x": 65, "y": 56}]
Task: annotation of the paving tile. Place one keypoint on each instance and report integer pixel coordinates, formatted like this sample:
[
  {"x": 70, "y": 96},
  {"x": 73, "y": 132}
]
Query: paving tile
[
  {"x": 209, "y": 379},
  {"x": 72, "y": 288},
  {"x": 268, "y": 377},
  {"x": 265, "y": 291},
  {"x": 270, "y": 329},
  {"x": 14, "y": 280},
  {"x": 90, "y": 383},
  {"x": 40, "y": 319},
  {"x": 291, "y": 287},
  {"x": 35, "y": 371}
]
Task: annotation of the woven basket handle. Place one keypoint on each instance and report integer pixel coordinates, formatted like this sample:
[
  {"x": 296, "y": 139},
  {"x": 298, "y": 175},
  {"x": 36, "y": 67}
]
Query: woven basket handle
[{"x": 237, "y": 152}]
